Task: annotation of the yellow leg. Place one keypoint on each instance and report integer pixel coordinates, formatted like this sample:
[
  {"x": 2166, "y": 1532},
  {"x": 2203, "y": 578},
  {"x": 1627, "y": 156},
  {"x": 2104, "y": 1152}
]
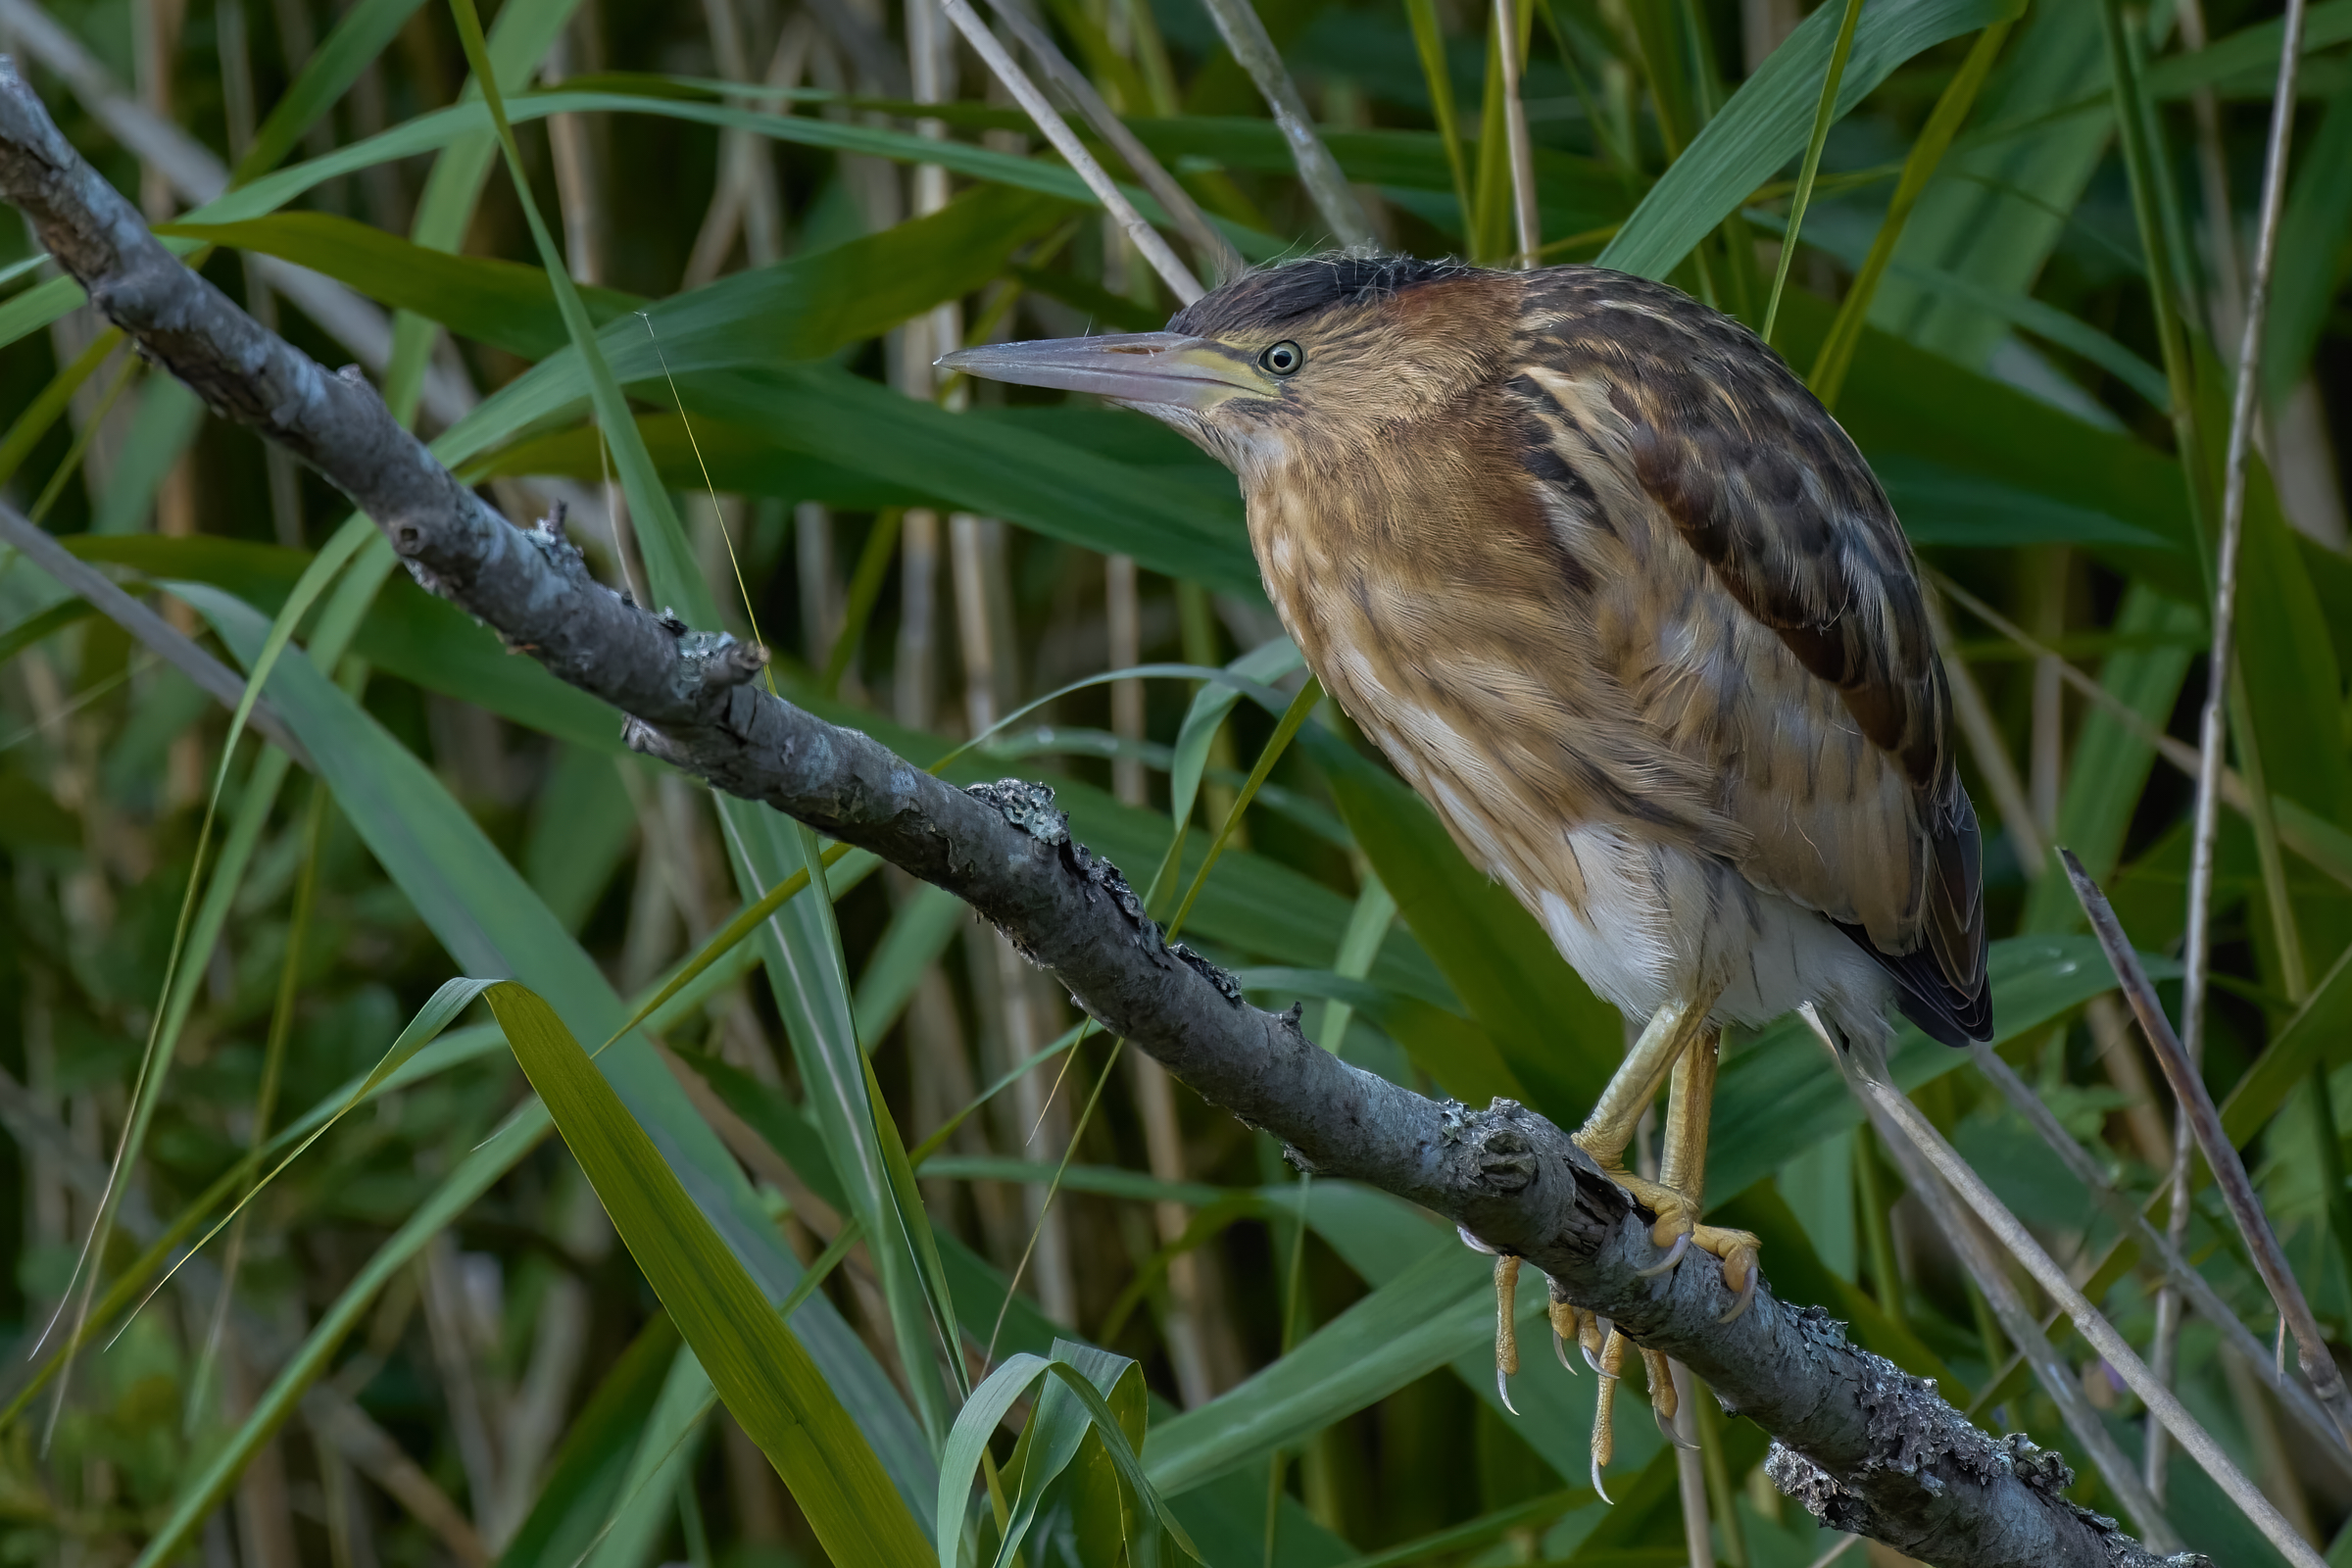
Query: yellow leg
[
  {"x": 1677, "y": 1196},
  {"x": 1610, "y": 1128},
  {"x": 1677, "y": 1043}
]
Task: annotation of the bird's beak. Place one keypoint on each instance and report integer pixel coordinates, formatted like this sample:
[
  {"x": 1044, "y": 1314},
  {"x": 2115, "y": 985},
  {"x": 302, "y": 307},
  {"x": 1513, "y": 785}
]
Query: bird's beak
[{"x": 1162, "y": 369}]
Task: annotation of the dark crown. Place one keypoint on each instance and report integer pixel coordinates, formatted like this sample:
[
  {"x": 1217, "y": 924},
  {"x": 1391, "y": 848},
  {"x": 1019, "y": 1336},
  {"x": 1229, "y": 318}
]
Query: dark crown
[{"x": 1297, "y": 290}]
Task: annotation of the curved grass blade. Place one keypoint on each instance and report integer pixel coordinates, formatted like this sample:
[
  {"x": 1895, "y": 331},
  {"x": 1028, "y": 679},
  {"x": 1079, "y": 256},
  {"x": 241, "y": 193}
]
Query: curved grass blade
[
  {"x": 1004, "y": 1388},
  {"x": 364, "y": 31},
  {"x": 473, "y": 1176},
  {"x": 1934, "y": 139},
  {"x": 1765, "y": 122},
  {"x": 1839, "y": 52},
  {"x": 759, "y": 1369},
  {"x": 452, "y": 999}
]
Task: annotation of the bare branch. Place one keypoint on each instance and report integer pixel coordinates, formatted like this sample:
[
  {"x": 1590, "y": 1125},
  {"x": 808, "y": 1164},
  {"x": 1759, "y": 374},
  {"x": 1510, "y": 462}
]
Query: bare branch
[{"x": 1874, "y": 1441}]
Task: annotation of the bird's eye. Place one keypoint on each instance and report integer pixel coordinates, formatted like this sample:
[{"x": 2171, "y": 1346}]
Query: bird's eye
[{"x": 1283, "y": 359}]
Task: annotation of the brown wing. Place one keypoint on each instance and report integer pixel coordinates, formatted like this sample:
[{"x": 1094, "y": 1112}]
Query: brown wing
[{"x": 1756, "y": 479}]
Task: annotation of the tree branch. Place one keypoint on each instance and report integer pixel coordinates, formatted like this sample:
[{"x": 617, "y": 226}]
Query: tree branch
[{"x": 1864, "y": 1445}]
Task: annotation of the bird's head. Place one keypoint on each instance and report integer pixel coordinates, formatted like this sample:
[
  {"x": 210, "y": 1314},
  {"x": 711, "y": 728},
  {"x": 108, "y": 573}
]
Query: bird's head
[{"x": 1320, "y": 355}]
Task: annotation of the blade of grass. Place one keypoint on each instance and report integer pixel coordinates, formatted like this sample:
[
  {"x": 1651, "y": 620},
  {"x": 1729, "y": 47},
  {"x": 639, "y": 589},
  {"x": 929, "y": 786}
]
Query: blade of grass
[
  {"x": 769, "y": 1382},
  {"x": 661, "y": 538},
  {"x": 1823, "y": 114},
  {"x": 1765, "y": 124},
  {"x": 1927, "y": 154},
  {"x": 1869, "y": 1079},
  {"x": 1429, "y": 42},
  {"x": 1511, "y": 25},
  {"x": 364, "y": 31},
  {"x": 2221, "y": 1154},
  {"x": 51, "y": 401}
]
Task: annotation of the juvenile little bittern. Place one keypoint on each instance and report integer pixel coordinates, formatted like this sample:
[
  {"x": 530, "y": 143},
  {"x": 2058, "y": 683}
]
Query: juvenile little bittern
[{"x": 1620, "y": 599}]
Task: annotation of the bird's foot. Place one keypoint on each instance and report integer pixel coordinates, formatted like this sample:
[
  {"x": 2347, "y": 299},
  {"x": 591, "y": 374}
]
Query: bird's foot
[{"x": 1678, "y": 1231}]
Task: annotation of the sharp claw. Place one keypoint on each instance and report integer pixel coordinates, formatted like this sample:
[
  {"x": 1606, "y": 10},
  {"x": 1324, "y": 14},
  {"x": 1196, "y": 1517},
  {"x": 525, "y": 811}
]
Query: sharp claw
[
  {"x": 1559, "y": 1347},
  {"x": 1503, "y": 1390},
  {"x": 1682, "y": 1245},
  {"x": 1603, "y": 1331},
  {"x": 1597, "y": 1487},
  {"x": 1748, "y": 1294},
  {"x": 1666, "y": 1426}
]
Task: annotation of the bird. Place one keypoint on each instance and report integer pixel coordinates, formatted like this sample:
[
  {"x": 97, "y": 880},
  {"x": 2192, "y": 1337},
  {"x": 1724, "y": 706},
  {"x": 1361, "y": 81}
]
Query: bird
[{"x": 1628, "y": 608}]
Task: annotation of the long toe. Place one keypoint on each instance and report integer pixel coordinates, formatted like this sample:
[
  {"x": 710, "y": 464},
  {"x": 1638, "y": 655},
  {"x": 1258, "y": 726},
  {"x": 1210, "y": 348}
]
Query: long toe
[
  {"x": 1605, "y": 1405},
  {"x": 1737, "y": 1249},
  {"x": 1507, "y": 1328}
]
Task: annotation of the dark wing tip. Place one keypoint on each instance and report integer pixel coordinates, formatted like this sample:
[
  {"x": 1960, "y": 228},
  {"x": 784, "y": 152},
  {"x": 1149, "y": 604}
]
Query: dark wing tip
[{"x": 1941, "y": 984}]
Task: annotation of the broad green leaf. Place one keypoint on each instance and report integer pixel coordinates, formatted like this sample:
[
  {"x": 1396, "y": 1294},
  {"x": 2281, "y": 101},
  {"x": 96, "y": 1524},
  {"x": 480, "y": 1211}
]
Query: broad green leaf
[
  {"x": 1901, "y": 398},
  {"x": 990, "y": 1403},
  {"x": 2247, "y": 60},
  {"x": 161, "y": 430},
  {"x": 1252, "y": 904},
  {"x": 49, "y": 405},
  {"x": 2315, "y": 249},
  {"x": 1059, "y": 490},
  {"x": 1231, "y": 1510},
  {"x": 1381, "y": 1237},
  {"x": 2315, "y": 1034},
  {"x": 1436, "y": 1310},
  {"x": 1459, "y": 1056},
  {"x": 637, "y": 1512},
  {"x": 42, "y": 624},
  {"x": 1765, "y": 122},
  {"x": 582, "y": 823},
  {"x": 661, "y": 538},
  {"x": 1996, "y": 216},
  {"x": 802, "y": 309},
  {"x": 1063, "y": 1428},
  {"x": 808, "y": 979},
  {"x": 772, "y": 1386},
  {"x": 203, "y": 1492},
  {"x": 1941, "y": 506},
  {"x": 442, "y": 128},
  {"x": 521, "y": 37},
  {"x": 491, "y": 923},
  {"x": 503, "y": 304}
]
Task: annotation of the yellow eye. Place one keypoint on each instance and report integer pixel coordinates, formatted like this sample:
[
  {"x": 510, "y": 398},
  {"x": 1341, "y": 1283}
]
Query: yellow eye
[{"x": 1283, "y": 359}]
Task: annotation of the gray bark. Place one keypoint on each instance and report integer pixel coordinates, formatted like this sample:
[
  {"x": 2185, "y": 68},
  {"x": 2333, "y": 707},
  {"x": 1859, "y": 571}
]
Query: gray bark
[{"x": 1864, "y": 1445}]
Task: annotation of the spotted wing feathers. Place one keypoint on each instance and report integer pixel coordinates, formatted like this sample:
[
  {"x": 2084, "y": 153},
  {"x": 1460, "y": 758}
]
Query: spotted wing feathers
[{"x": 1761, "y": 484}]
